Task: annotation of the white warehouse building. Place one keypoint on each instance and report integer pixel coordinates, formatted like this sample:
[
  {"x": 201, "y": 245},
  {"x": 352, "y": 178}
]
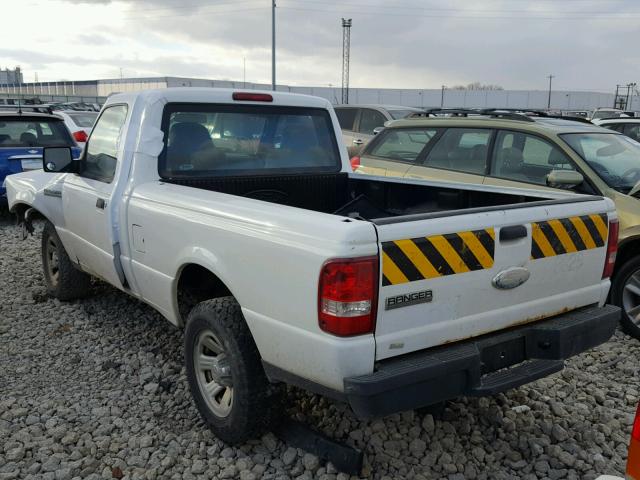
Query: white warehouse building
[{"x": 532, "y": 99}]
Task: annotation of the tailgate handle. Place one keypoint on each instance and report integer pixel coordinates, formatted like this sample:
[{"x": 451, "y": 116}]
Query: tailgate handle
[{"x": 513, "y": 232}]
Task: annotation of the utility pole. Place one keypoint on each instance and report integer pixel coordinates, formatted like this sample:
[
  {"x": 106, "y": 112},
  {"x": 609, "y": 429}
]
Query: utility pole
[
  {"x": 346, "y": 53},
  {"x": 273, "y": 45},
  {"x": 244, "y": 72},
  {"x": 550, "y": 77},
  {"x": 630, "y": 87},
  {"x": 633, "y": 91},
  {"x": 442, "y": 96}
]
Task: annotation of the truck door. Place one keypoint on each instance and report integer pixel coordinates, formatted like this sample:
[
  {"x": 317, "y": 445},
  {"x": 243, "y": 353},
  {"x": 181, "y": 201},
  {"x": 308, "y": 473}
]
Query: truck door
[{"x": 89, "y": 211}]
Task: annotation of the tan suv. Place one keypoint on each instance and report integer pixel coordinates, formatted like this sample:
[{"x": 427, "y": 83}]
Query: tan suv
[
  {"x": 359, "y": 123},
  {"x": 509, "y": 149}
]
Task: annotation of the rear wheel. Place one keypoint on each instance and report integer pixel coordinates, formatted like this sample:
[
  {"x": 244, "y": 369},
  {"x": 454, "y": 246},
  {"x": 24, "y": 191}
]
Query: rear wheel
[
  {"x": 63, "y": 280},
  {"x": 625, "y": 293},
  {"x": 225, "y": 373}
]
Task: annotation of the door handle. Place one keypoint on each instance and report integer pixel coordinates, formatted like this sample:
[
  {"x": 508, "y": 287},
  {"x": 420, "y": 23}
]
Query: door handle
[
  {"x": 101, "y": 203},
  {"x": 358, "y": 141},
  {"x": 512, "y": 232}
]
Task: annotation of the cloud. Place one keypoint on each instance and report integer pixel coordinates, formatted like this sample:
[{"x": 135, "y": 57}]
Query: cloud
[
  {"x": 396, "y": 44},
  {"x": 93, "y": 39}
]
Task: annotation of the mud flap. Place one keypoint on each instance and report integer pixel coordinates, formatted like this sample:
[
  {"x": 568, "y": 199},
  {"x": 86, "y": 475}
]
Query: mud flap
[
  {"x": 346, "y": 459},
  {"x": 27, "y": 226}
]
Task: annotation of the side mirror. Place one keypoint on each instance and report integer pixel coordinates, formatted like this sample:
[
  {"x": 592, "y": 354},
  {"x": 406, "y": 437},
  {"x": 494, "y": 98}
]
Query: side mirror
[
  {"x": 59, "y": 159},
  {"x": 377, "y": 130},
  {"x": 564, "y": 178}
]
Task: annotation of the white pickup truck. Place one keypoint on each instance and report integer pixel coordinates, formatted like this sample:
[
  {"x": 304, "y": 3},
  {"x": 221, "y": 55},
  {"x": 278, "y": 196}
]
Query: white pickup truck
[{"x": 236, "y": 215}]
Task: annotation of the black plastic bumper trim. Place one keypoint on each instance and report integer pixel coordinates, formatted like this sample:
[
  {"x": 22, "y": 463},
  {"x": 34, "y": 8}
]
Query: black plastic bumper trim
[{"x": 483, "y": 366}]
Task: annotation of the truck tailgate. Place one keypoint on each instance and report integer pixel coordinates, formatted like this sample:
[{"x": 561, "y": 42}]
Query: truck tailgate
[{"x": 454, "y": 276}]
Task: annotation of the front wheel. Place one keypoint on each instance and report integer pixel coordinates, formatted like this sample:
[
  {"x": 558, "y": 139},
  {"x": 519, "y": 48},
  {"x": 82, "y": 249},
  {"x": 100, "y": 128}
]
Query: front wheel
[
  {"x": 225, "y": 373},
  {"x": 625, "y": 293},
  {"x": 63, "y": 280}
]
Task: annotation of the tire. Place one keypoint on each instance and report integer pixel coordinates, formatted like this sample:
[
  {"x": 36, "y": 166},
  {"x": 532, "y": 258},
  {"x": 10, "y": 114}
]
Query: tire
[
  {"x": 221, "y": 357},
  {"x": 625, "y": 293},
  {"x": 63, "y": 280}
]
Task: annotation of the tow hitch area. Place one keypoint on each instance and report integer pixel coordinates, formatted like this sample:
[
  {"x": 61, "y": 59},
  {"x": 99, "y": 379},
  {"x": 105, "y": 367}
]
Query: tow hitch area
[{"x": 346, "y": 459}]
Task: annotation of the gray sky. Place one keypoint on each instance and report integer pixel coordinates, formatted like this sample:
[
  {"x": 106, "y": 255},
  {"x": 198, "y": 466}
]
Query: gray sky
[{"x": 586, "y": 44}]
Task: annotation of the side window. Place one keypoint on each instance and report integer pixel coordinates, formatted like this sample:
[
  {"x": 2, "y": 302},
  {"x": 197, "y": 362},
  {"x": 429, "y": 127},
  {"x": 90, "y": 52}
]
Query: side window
[
  {"x": 346, "y": 117},
  {"x": 618, "y": 127},
  {"x": 369, "y": 120},
  {"x": 462, "y": 149},
  {"x": 401, "y": 144},
  {"x": 632, "y": 130},
  {"x": 102, "y": 148},
  {"x": 526, "y": 158}
]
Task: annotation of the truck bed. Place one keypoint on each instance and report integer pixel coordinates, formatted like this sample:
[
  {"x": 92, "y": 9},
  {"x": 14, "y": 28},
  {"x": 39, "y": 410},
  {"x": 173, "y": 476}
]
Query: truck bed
[{"x": 343, "y": 194}]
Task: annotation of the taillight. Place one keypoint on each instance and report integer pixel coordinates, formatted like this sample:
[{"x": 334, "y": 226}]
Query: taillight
[
  {"x": 635, "y": 433},
  {"x": 633, "y": 460},
  {"x": 355, "y": 162},
  {"x": 347, "y": 295},
  {"x": 80, "y": 136},
  {"x": 612, "y": 249},
  {"x": 252, "y": 97}
]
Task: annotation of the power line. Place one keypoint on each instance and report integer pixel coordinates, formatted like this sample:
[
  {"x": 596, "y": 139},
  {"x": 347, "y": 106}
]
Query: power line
[
  {"x": 475, "y": 17},
  {"x": 460, "y": 10}
]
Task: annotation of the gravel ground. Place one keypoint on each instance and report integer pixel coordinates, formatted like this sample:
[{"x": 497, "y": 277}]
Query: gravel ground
[{"x": 96, "y": 389}]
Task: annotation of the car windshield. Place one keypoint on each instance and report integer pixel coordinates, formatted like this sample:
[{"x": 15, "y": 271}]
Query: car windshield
[
  {"x": 397, "y": 114},
  {"x": 33, "y": 132},
  {"x": 615, "y": 158},
  {"x": 217, "y": 140},
  {"x": 84, "y": 119}
]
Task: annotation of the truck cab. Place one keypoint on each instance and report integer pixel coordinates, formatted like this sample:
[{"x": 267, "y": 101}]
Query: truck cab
[{"x": 236, "y": 215}]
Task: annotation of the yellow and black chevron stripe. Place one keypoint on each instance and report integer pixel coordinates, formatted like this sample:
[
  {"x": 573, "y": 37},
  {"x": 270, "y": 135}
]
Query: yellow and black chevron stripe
[
  {"x": 420, "y": 258},
  {"x": 568, "y": 235}
]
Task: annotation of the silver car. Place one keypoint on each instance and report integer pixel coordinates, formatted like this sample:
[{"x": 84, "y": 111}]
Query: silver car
[{"x": 358, "y": 122}]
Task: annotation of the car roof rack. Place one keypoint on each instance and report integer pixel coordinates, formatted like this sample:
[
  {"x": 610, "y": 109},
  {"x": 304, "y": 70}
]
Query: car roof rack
[
  {"x": 519, "y": 114},
  {"x": 508, "y": 114},
  {"x": 33, "y": 108},
  {"x": 455, "y": 112},
  {"x": 570, "y": 118}
]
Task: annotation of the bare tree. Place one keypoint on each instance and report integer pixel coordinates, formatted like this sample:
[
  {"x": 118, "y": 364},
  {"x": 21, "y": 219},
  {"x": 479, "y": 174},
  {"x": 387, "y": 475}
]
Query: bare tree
[{"x": 477, "y": 86}]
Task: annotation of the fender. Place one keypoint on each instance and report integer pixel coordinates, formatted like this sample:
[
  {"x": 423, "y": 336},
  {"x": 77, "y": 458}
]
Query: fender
[
  {"x": 205, "y": 259},
  {"x": 41, "y": 191}
]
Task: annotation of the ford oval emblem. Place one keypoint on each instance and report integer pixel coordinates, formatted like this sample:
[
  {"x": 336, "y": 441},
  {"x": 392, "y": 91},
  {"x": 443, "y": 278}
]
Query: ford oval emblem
[{"x": 511, "y": 278}]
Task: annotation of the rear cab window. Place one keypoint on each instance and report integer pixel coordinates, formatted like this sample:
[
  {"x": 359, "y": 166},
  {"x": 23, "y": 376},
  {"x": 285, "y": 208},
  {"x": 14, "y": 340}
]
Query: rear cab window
[
  {"x": 404, "y": 145},
  {"x": 24, "y": 131},
  {"x": 214, "y": 140}
]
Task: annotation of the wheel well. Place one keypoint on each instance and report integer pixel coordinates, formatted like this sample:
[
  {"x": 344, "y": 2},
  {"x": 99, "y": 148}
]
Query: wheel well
[
  {"x": 20, "y": 209},
  {"x": 196, "y": 284},
  {"x": 627, "y": 250}
]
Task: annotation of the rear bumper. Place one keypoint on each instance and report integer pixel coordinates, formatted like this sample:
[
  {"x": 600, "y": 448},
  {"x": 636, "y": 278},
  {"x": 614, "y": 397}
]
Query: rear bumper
[{"x": 483, "y": 366}]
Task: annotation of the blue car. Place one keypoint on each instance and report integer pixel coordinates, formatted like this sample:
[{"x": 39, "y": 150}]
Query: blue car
[{"x": 23, "y": 134}]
